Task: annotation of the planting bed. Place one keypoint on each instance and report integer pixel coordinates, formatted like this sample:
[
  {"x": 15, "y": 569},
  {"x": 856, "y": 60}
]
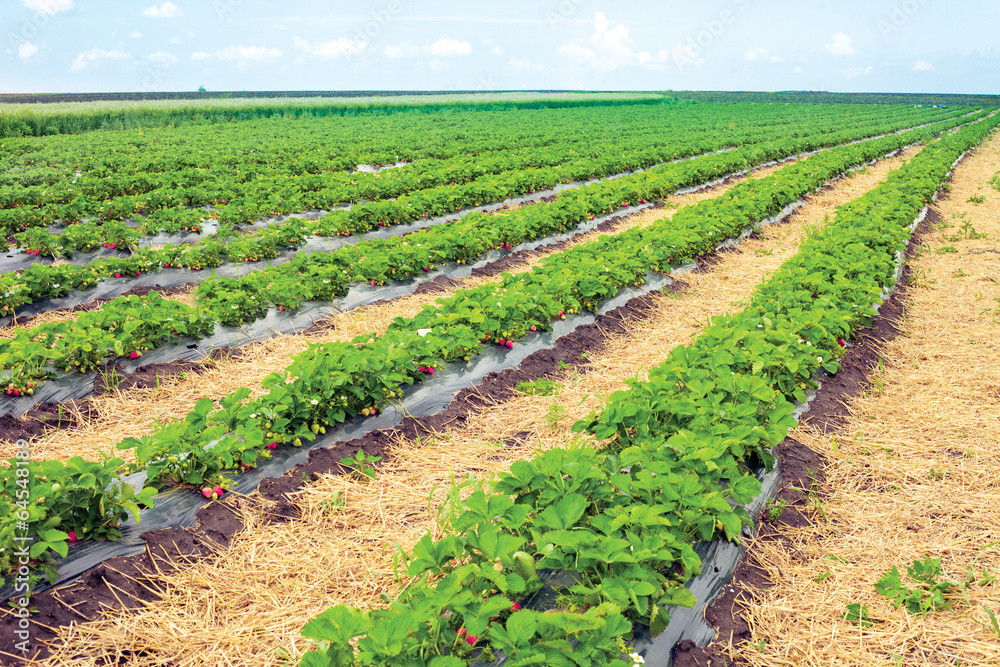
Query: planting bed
[{"x": 617, "y": 504}]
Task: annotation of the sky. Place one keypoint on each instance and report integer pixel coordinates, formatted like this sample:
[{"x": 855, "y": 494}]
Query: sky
[{"x": 231, "y": 45}]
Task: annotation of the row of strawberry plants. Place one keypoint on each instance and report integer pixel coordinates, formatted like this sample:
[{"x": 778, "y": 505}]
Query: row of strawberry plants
[
  {"x": 371, "y": 215},
  {"x": 331, "y": 382},
  {"x": 42, "y": 281},
  {"x": 323, "y": 276},
  {"x": 336, "y": 381},
  {"x": 442, "y": 188},
  {"x": 234, "y": 302},
  {"x": 174, "y": 178},
  {"x": 260, "y": 246},
  {"x": 190, "y": 156},
  {"x": 176, "y": 453},
  {"x": 247, "y": 195},
  {"x": 621, "y": 519},
  {"x": 484, "y": 181},
  {"x": 124, "y": 327},
  {"x": 263, "y": 245}
]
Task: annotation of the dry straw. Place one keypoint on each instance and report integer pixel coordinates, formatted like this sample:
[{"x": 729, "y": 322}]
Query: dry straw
[{"x": 239, "y": 610}]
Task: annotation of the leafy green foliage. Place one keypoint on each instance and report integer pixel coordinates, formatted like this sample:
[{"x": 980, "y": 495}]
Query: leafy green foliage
[
  {"x": 858, "y": 614},
  {"x": 929, "y": 591}
]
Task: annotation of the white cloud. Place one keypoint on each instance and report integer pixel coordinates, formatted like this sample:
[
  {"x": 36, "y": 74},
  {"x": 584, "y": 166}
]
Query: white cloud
[
  {"x": 497, "y": 51},
  {"x": 798, "y": 70},
  {"x": 162, "y": 58},
  {"x": 840, "y": 45},
  {"x": 167, "y": 10},
  {"x": 605, "y": 50},
  {"x": 83, "y": 60},
  {"x": 759, "y": 55},
  {"x": 404, "y": 50},
  {"x": 443, "y": 48},
  {"x": 135, "y": 34},
  {"x": 855, "y": 72},
  {"x": 50, "y": 7},
  {"x": 923, "y": 66},
  {"x": 447, "y": 47},
  {"x": 608, "y": 48},
  {"x": 182, "y": 34},
  {"x": 525, "y": 65},
  {"x": 26, "y": 50},
  {"x": 337, "y": 48},
  {"x": 239, "y": 53},
  {"x": 681, "y": 55}
]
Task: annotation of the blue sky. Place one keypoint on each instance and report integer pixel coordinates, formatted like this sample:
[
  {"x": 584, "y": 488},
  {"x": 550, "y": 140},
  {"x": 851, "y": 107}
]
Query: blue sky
[{"x": 178, "y": 45}]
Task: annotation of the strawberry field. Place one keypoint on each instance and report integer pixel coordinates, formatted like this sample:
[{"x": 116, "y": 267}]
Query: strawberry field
[{"x": 217, "y": 332}]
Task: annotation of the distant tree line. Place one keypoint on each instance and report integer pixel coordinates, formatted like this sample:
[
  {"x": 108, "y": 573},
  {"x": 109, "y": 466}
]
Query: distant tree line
[{"x": 821, "y": 97}]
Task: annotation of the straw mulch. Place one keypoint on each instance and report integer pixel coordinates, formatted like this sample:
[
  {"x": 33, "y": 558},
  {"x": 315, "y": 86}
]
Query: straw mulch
[
  {"x": 912, "y": 474},
  {"x": 117, "y": 415},
  {"x": 241, "y": 609}
]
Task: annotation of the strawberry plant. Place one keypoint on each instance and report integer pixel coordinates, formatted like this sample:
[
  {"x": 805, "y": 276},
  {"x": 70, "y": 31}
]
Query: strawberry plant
[{"x": 927, "y": 595}]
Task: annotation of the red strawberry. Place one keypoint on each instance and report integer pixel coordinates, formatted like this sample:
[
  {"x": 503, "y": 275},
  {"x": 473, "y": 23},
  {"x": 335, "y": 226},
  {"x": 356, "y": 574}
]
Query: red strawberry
[
  {"x": 534, "y": 328},
  {"x": 430, "y": 371},
  {"x": 206, "y": 492},
  {"x": 72, "y": 536},
  {"x": 118, "y": 275},
  {"x": 134, "y": 355},
  {"x": 218, "y": 490}
]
